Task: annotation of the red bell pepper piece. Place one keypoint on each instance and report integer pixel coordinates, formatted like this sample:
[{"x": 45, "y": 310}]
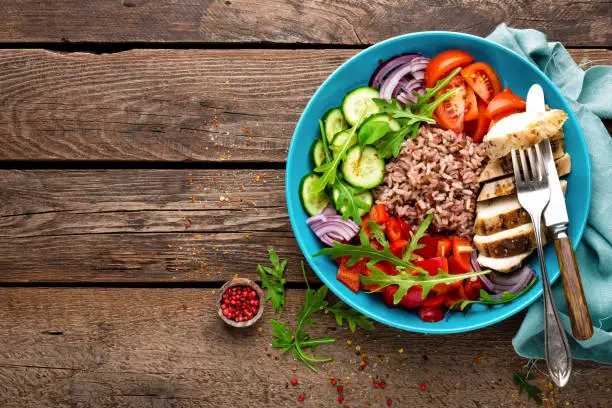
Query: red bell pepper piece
[
  {"x": 430, "y": 247},
  {"x": 393, "y": 230},
  {"x": 379, "y": 214},
  {"x": 459, "y": 263},
  {"x": 444, "y": 246},
  {"x": 406, "y": 230},
  {"x": 397, "y": 247},
  {"x": 350, "y": 275},
  {"x": 433, "y": 265}
]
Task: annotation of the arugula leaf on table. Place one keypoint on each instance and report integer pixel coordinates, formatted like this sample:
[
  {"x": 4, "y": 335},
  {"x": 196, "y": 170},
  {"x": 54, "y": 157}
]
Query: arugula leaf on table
[
  {"x": 405, "y": 281},
  {"x": 272, "y": 279},
  {"x": 371, "y": 132},
  {"x": 377, "y": 232},
  {"x": 533, "y": 391},
  {"x": 347, "y": 196},
  {"x": 298, "y": 340},
  {"x": 486, "y": 299},
  {"x": 413, "y": 245},
  {"x": 353, "y": 318},
  {"x": 329, "y": 169}
]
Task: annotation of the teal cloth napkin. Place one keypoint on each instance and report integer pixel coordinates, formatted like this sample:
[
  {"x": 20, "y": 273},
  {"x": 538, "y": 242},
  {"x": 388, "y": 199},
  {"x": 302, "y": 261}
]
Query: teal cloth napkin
[{"x": 590, "y": 96}]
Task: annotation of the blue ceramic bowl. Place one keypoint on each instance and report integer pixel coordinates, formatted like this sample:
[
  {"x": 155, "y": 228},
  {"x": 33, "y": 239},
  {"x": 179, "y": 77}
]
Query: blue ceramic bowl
[{"x": 515, "y": 72}]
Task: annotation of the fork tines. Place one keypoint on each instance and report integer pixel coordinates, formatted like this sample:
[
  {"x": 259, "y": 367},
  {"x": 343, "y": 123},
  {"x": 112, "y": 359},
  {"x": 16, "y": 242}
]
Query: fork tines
[{"x": 531, "y": 168}]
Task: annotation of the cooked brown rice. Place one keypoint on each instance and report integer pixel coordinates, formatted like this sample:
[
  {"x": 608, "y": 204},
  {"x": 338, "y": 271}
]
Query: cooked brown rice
[{"x": 436, "y": 172}]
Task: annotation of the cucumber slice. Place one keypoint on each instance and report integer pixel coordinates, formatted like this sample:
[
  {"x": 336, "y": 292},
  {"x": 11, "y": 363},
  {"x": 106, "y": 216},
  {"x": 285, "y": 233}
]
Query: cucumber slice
[
  {"x": 317, "y": 153},
  {"x": 341, "y": 138},
  {"x": 365, "y": 169},
  {"x": 313, "y": 202},
  {"x": 333, "y": 122},
  {"x": 356, "y": 101},
  {"x": 384, "y": 117},
  {"x": 366, "y": 197}
]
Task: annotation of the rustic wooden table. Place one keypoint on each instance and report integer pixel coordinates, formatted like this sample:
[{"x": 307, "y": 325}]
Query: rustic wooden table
[{"x": 125, "y": 124}]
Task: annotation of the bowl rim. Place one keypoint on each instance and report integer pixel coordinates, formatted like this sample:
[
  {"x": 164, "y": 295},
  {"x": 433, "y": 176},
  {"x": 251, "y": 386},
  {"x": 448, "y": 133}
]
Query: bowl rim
[{"x": 524, "y": 301}]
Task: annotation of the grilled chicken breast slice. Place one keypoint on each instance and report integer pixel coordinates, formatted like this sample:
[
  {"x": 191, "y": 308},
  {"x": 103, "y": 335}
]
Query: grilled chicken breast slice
[
  {"x": 503, "y": 166},
  {"x": 510, "y": 242},
  {"x": 505, "y": 186},
  {"x": 522, "y": 130},
  {"x": 501, "y": 214},
  {"x": 508, "y": 264}
]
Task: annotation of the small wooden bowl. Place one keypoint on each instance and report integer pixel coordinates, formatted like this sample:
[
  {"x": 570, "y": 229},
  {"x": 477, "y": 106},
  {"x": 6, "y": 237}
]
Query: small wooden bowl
[{"x": 241, "y": 282}]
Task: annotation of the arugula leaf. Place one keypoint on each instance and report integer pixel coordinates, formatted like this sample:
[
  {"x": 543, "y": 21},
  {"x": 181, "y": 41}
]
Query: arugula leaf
[
  {"x": 297, "y": 340},
  {"x": 330, "y": 168},
  {"x": 377, "y": 232},
  {"x": 391, "y": 144},
  {"x": 428, "y": 109},
  {"x": 353, "y": 317},
  {"x": 371, "y": 132},
  {"x": 324, "y": 140},
  {"x": 486, "y": 299},
  {"x": 413, "y": 245},
  {"x": 405, "y": 281},
  {"x": 365, "y": 249},
  {"x": 422, "y": 100},
  {"x": 533, "y": 391},
  {"x": 395, "y": 109},
  {"x": 347, "y": 198},
  {"x": 275, "y": 287}
]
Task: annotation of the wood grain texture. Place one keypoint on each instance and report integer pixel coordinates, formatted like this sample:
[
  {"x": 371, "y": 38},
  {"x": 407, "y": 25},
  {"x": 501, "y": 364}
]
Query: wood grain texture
[
  {"x": 293, "y": 21},
  {"x": 142, "y": 225},
  {"x": 167, "y": 348},
  {"x": 163, "y": 105}
]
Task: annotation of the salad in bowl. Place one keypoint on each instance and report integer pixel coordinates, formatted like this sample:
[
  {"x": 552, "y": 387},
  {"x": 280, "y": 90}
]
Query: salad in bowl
[{"x": 408, "y": 198}]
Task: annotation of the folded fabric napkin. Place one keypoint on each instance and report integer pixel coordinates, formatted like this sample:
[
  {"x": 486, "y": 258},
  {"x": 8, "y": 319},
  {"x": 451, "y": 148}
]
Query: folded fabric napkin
[{"x": 590, "y": 96}]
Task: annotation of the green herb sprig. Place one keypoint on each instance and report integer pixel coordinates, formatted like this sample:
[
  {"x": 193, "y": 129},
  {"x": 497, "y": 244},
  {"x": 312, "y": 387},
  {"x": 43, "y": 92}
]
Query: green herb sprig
[
  {"x": 272, "y": 279},
  {"x": 533, "y": 391}
]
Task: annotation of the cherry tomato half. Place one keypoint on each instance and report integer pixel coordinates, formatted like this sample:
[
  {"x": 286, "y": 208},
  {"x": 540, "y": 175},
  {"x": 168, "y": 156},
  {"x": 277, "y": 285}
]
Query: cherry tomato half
[
  {"x": 413, "y": 298},
  {"x": 443, "y": 63},
  {"x": 430, "y": 247},
  {"x": 482, "y": 79},
  {"x": 451, "y": 112},
  {"x": 504, "y": 102},
  {"x": 478, "y": 128},
  {"x": 433, "y": 300},
  {"x": 471, "y": 105},
  {"x": 431, "y": 314},
  {"x": 387, "y": 294}
]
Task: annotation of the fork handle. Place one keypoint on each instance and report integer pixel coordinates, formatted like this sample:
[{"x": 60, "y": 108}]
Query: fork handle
[{"x": 582, "y": 328}]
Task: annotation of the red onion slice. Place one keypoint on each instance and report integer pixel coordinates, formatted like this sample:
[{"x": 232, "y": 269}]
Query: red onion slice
[
  {"x": 420, "y": 75},
  {"x": 329, "y": 227},
  {"x": 390, "y": 83},
  {"x": 388, "y": 66}
]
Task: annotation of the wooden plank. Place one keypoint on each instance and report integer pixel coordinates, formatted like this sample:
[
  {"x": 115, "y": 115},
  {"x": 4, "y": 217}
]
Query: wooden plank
[
  {"x": 167, "y": 348},
  {"x": 163, "y": 105},
  {"x": 142, "y": 225},
  {"x": 287, "y": 21}
]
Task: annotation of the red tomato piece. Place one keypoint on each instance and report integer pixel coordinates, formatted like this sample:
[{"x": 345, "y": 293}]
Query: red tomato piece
[
  {"x": 444, "y": 246},
  {"x": 433, "y": 300},
  {"x": 506, "y": 113},
  {"x": 443, "y": 63},
  {"x": 379, "y": 214},
  {"x": 349, "y": 275},
  {"x": 450, "y": 299},
  {"x": 504, "y": 102},
  {"x": 431, "y": 314},
  {"x": 451, "y": 111},
  {"x": 433, "y": 265},
  {"x": 471, "y": 105},
  {"x": 406, "y": 230},
  {"x": 397, "y": 247},
  {"x": 387, "y": 294},
  {"x": 430, "y": 248},
  {"x": 412, "y": 298},
  {"x": 393, "y": 230},
  {"x": 477, "y": 129},
  {"x": 482, "y": 79}
]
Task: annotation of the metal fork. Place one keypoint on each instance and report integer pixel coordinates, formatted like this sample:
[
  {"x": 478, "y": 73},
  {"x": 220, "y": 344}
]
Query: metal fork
[{"x": 533, "y": 193}]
